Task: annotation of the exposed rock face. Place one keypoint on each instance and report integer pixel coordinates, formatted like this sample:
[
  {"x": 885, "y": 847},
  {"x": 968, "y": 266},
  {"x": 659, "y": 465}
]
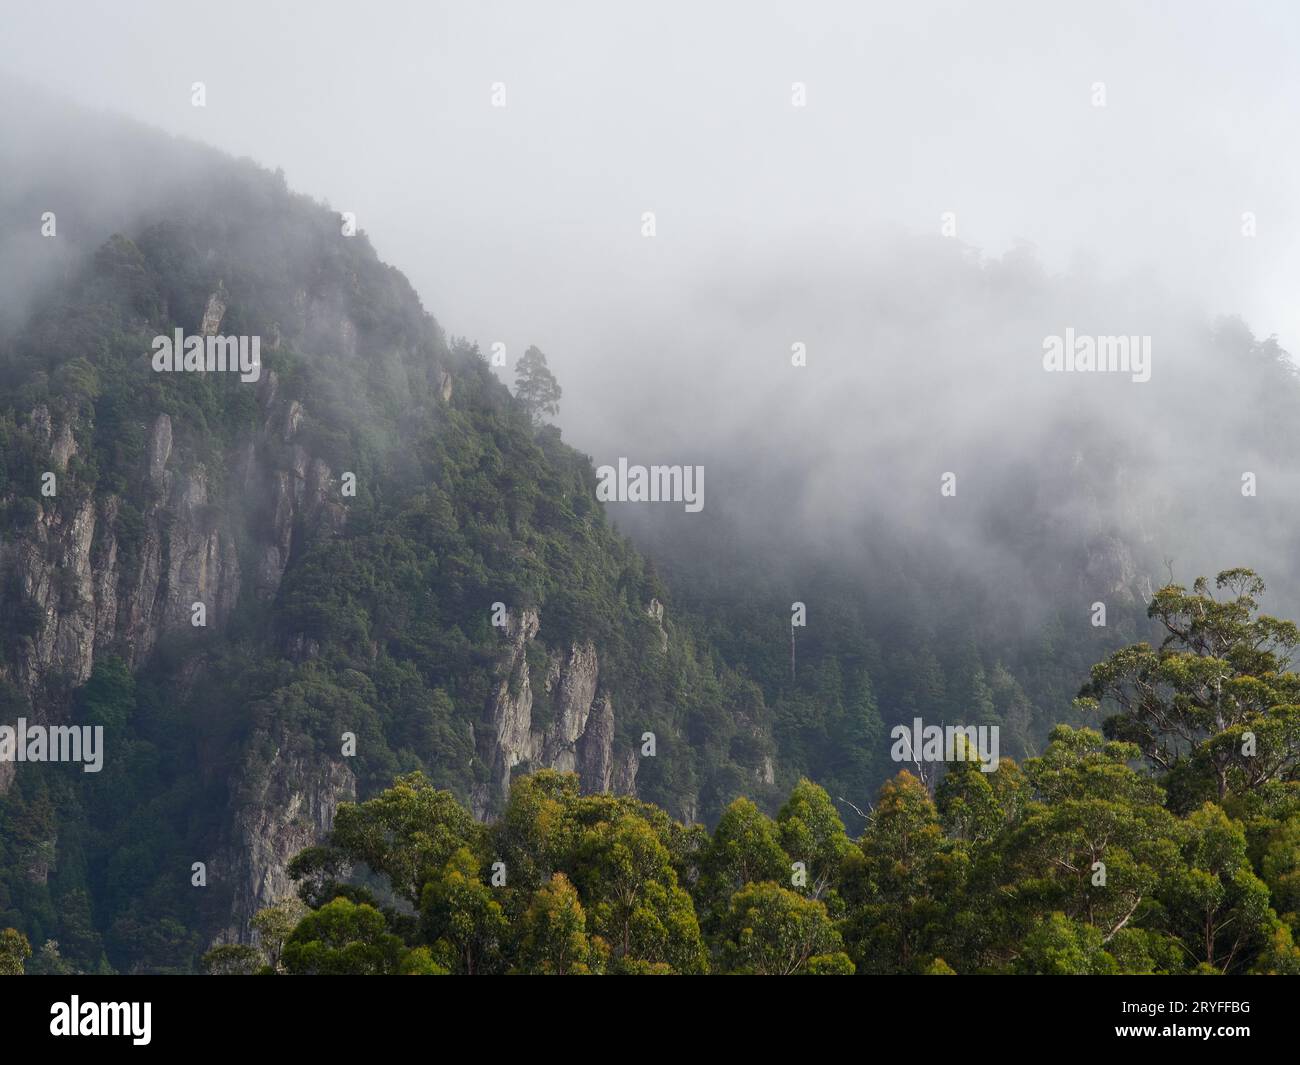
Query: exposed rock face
[
  {"x": 623, "y": 779},
  {"x": 160, "y": 448},
  {"x": 286, "y": 796},
  {"x": 510, "y": 715},
  {"x": 63, "y": 447},
  {"x": 575, "y": 731},
  {"x": 596, "y": 749},
  {"x": 94, "y": 575},
  {"x": 1110, "y": 569},
  {"x": 320, "y": 322},
  {"x": 655, "y": 611},
  {"x": 213, "y": 313},
  {"x": 572, "y": 692},
  {"x": 94, "y": 598},
  {"x": 53, "y": 569},
  {"x": 99, "y": 584},
  {"x": 214, "y": 513}
]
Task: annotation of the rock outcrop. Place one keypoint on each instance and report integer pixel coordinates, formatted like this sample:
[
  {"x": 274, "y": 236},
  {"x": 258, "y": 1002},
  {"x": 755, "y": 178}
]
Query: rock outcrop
[
  {"x": 213, "y": 313},
  {"x": 98, "y": 583},
  {"x": 655, "y": 612},
  {"x": 99, "y": 576},
  {"x": 286, "y": 796},
  {"x": 567, "y": 725}
]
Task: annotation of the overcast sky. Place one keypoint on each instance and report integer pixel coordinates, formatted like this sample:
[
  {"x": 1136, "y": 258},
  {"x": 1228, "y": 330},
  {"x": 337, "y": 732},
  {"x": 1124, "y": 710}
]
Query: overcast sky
[{"x": 523, "y": 224}]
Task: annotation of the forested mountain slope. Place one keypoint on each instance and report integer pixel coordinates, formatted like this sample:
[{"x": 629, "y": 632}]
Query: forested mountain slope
[
  {"x": 279, "y": 595},
  {"x": 331, "y": 620}
]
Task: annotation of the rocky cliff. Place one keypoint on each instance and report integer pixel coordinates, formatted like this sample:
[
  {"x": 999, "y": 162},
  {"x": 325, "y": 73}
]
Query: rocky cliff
[
  {"x": 233, "y": 575},
  {"x": 191, "y": 543},
  {"x": 285, "y": 796},
  {"x": 574, "y": 731}
]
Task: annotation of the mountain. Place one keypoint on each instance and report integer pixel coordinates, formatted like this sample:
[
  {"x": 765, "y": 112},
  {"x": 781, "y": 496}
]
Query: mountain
[
  {"x": 280, "y": 590},
  {"x": 277, "y": 594}
]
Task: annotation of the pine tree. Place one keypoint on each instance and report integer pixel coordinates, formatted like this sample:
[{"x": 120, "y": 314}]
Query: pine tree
[{"x": 536, "y": 387}]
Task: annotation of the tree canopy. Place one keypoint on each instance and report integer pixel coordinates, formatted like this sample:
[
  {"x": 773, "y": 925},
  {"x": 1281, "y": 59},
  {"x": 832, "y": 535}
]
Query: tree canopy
[{"x": 536, "y": 387}]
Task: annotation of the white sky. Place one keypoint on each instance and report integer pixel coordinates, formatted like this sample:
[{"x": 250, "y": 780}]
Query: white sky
[{"x": 522, "y": 224}]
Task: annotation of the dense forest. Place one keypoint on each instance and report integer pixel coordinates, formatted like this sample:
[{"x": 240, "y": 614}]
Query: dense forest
[
  {"x": 1166, "y": 843},
  {"x": 439, "y": 714}
]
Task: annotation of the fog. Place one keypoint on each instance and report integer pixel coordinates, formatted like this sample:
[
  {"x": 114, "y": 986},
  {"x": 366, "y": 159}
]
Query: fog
[{"x": 958, "y": 183}]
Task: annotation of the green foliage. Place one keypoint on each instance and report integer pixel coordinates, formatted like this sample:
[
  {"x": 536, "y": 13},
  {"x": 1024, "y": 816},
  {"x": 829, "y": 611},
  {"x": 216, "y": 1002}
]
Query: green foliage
[
  {"x": 900, "y": 887},
  {"x": 380, "y": 628},
  {"x": 14, "y": 950},
  {"x": 745, "y": 849},
  {"x": 460, "y": 917},
  {"x": 536, "y": 388},
  {"x": 343, "y": 939},
  {"x": 274, "y": 924},
  {"x": 1058, "y": 946},
  {"x": 233, "y": 959},
  {"x": 554, "y": 940},
  {"x": 108, "y": 697},
  {"x": 380, "y": 625},
  {"x": 771, "y": 931},
  {"x": 406, "y": 833},
  {"x": 1076, "y": 867},
  {"x": 1214, "y": 706}
]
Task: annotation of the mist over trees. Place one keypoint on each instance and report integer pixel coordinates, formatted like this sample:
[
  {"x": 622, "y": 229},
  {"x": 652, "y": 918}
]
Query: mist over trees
[
  {"x": 536, "y": 387},
  {"x": 389, "y": 689},
  {"x": 1072, "y": 863}
]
